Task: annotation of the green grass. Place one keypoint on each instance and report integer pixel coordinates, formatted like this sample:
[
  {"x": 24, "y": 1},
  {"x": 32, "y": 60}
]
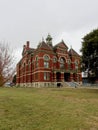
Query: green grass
[{"x": 48, "y": 109}]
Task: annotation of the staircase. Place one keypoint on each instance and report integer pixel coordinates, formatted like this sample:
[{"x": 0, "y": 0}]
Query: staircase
[{"x": 71, "y": 84}]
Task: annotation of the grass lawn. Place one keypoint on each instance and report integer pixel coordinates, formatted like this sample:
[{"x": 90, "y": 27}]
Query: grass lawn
[{"x": 48, "y": 109}]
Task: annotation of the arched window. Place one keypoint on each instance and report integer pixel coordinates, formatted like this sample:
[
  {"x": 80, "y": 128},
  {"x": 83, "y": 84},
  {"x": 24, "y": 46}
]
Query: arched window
[
  {"x": 46, "y": 61},
  {"x": 62, "y": 63},
  {"x": 46, "y": 58},
  {"x": 54, "y": 59}
]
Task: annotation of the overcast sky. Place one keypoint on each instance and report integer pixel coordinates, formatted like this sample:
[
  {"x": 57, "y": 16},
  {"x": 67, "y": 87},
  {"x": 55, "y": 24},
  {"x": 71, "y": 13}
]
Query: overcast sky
[{"x": 30, "y": 20}]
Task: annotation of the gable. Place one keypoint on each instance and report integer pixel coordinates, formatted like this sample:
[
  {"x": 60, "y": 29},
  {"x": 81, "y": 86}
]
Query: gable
[
  {"x": 43, "y": 45},
  {"x": 72, "y": 52},
  {"x": 62, "y": 45}
]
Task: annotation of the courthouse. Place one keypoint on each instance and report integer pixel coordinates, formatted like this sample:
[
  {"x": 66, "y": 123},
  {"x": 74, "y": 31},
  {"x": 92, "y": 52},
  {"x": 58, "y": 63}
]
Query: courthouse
[{"x": 48, "y": 65}]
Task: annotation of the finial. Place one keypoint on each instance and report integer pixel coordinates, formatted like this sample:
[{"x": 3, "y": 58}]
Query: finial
[
  {"x": 62, "y": 40},
  {"x": 42, "y": 39},
  {"x": 48, "y": 33},
  {"x": 49, "y": 38}
]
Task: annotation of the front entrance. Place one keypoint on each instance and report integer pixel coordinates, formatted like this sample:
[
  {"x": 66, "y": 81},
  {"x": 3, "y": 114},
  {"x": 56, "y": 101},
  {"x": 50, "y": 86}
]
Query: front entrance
[{"x": 67, "y": 77}]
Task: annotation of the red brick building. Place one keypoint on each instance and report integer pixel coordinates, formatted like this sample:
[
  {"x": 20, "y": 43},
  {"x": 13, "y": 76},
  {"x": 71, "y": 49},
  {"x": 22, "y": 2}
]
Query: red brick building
[{"x": 48, "y": 65}]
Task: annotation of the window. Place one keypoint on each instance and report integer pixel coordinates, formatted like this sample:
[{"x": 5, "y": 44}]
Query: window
[
  {"x": 62, "y": 63},
  {"x": 69, "y": 64},
  {"x": 46, "y": 58},
  {"x": 54, "y": 59},
  {"x": 46, "y": 75},
  {"x": 37, "y": 58},
  {"x": 46, "y": 64},
  {"x": 36, "y": 62},
  {"x": 62, "y": 60},
  {"x": 46, "y": 61},
  {"x": 76, "y": 64}
]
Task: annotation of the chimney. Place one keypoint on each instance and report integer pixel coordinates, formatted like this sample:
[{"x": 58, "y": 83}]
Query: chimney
[
  {"x": 24, "y": 46},
  {"x": 28, "y": 44}
]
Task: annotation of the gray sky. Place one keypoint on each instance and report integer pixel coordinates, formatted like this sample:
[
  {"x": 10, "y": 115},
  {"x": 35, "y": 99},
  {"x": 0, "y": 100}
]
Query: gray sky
[{"x": 70, "y": 20}]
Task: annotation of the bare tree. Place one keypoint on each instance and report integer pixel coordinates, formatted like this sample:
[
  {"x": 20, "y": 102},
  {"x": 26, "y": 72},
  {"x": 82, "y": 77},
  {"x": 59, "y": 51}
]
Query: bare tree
[{"x": 6, "y": 63}]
